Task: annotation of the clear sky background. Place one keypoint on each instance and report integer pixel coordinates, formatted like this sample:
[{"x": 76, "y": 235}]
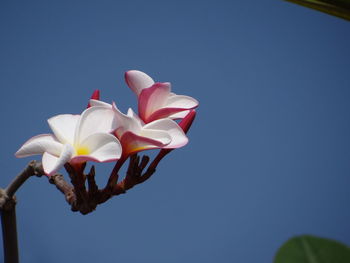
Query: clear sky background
[{"x": 269, "y": 154}]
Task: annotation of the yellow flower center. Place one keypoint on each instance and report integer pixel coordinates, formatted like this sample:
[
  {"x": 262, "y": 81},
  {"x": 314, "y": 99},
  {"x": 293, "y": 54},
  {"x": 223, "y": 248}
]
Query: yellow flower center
[{"x": 83, "y": 150}]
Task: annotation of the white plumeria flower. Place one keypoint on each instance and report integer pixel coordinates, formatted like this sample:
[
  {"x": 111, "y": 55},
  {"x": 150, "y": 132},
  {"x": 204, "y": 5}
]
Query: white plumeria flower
[
  {"x": 136, "y": 136},
  {"x": 76, "y": 139},
  {"x": 155, "y": 100}
]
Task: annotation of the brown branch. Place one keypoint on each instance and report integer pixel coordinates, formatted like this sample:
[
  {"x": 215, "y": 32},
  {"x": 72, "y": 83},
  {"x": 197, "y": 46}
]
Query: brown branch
[
  {"x": 113, "y": 178},
  {"x": 85, "y": 199},
  {"x": 8, "y": 211},
  {"x": 93, "y": 188},
  {"x": 133, "y": 177},
  {"x": 80, "y": 198},
  {"x": 33, "y": 168},
  {"x": 93, "y": 191},
  {"x": 9, "y": 235},
  {"x": 65, "y": 188},
  {"x": 78, "y": 178},
  {"x": 134, "y": 173}
]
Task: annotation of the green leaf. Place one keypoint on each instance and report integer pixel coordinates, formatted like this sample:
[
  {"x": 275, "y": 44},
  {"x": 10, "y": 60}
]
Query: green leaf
[
  {"x": 339, "y": 8},
  {"x": 311, "y": 249}
]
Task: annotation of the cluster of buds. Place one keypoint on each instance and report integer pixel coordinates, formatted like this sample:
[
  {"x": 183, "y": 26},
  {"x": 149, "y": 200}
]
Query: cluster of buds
[{"x": 102, "y": 133}]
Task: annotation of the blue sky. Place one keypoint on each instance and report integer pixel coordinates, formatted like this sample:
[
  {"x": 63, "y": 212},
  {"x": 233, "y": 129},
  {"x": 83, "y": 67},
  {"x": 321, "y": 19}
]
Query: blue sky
[{"x": 269, "y": 152}]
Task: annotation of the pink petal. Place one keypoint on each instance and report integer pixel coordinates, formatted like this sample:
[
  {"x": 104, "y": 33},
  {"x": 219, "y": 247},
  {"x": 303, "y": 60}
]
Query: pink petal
[
  {"x": 181, "y": 101},
  {"x": 164, "y": 113},
  {"x": 95, "y": 96},
  {"x": 176, "y": 107},
  {"x": 138, "y": 80},
  {"x": 152, "y": 99},
  {"x": 179, "y": 115},
  {"x": 133, "y": 143}
]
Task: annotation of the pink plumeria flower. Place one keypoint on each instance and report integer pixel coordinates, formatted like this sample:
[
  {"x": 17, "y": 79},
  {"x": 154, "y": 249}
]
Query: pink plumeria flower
[
  {"x": 136, "y": 136},
  {"x": 155, "y": 100},
  {"x": 76, "y": 139}
]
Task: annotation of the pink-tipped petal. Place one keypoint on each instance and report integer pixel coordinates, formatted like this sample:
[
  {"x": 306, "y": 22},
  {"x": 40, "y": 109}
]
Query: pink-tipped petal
[
  {"x": 178, "y": 137},
  {"x": 63, "y": 126},
  {"x": 179, "y": 115},
  {"x": 53, "y": 163},
  {"x": 138, "y": 80},
  {"x": 94, "y": 120},
  {"x": 102, "y": 147},
  {"x": 163, "y": 113},
  {"x": 176, "y": 107},
  {"x": 133, "y": 143},
  {"x": 185, "y": 125},
  {"x": 152, "y": 99},
  {"x": 95, "y": 96},
  {"x": 181, "y": 101},
  {"x": 40, "y": 144}
]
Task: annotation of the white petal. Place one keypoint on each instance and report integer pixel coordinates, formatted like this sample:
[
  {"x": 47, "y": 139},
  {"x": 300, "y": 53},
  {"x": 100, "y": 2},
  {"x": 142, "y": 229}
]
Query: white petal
[
  {"x": 137, "y": 81},
  {"x": 94, "y": 120},
  {"x": 181, "y": 101},
  {"x": 52, "y": 163},
  {"x": 157, "y": 135},
  {"x": 63, "y": 126},
  {"x": 99, "y": 103},
  {"x": 178, "y": 137},
  {"x": 133, "y": 115},
  {"x": 125, "y": 122},
  {"x": 40, "y": 144},
  {"x": 103, "y": 147}
]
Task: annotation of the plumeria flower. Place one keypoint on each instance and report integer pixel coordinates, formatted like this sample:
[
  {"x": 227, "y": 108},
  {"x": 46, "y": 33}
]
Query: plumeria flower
[
  {"x": 155, "y": 100},
  {"x": 136, "y": 136},
  {"x": 76, "y": 139}
]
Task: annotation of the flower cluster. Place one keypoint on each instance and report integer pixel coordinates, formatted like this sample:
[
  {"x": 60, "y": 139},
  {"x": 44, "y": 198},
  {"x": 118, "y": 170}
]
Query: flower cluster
[{"x": 102, "y": 133}]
